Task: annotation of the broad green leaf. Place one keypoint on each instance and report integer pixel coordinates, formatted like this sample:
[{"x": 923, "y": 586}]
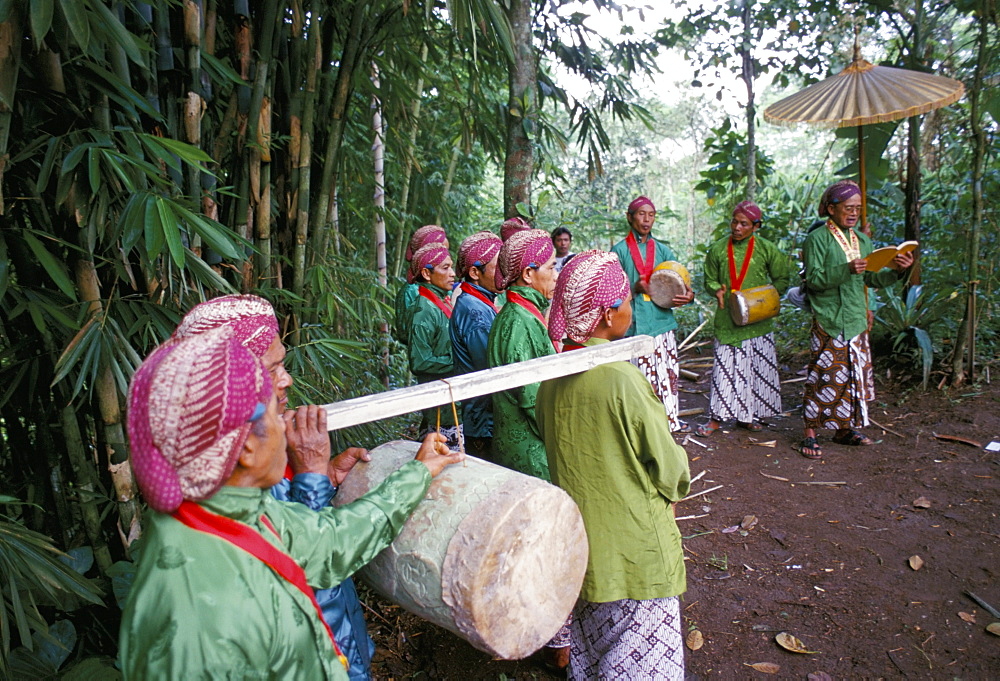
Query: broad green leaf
[
  {"x": 119, "y": 34},
  {"x": 47, "y": 164},
  {"x": 53, "y": 267},
  {"x": 77, "y": 20},
  {"x": 94, "y": 170},
  {"x": 41, "y": 19},
  {"x": 185, "y": 151},
  {"x": 220, "y": 240}
]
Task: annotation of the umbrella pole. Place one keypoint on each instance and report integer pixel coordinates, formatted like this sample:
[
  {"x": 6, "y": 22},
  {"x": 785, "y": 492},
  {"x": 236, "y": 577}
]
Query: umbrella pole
[{"x": 862, "y": 181}]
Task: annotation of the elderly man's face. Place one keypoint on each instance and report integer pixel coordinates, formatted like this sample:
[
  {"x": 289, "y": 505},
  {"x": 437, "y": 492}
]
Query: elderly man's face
[{"x": 281, "y": 380}]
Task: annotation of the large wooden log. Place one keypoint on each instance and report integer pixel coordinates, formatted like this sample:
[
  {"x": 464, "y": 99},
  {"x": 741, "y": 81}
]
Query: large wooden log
[
  {"x": 492, "y": 555},
  {"x": 436, "y": 393}
]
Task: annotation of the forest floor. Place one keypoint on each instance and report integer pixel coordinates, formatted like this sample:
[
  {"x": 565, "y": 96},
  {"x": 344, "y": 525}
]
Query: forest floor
[{"x": 865, "y": 556}]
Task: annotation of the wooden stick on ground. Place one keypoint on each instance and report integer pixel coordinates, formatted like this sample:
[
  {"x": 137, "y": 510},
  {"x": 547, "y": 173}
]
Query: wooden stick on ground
[
  {"x": 698, "y": 494},
  {"x": 683, "y": 344},
  {"x": 885, "y": 428}
]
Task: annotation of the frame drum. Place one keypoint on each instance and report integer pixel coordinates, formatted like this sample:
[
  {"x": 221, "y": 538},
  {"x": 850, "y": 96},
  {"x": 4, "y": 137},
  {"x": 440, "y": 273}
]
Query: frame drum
[
  {"x": 669, "y": 279},
  {"x": 753, "y": 305}
]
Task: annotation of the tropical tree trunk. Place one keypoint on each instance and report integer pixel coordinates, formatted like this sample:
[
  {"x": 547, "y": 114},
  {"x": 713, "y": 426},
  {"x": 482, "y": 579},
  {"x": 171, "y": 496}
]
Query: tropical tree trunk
[
  {"x": 522, "y": 111},
  {"x": 963, "y": 362},
  {"x": 911, "y": 227},
  {"x": 378, "y": 158},
  {"x": 747, "y": 74}
]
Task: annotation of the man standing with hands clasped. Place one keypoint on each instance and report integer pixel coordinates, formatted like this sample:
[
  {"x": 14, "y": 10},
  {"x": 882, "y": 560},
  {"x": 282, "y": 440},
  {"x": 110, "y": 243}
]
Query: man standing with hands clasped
[{"x": 639, "y": 255}]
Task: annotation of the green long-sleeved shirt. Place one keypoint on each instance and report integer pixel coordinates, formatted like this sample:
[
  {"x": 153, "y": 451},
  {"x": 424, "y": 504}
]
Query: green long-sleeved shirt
[
  {"x": 647, "y": 317},
  {"x": 837, "y": 297},
  {"x": 517, "y": 336},
  {"x": 429, "y": 349},
  {"x": 609, "y": 446},
  {"x": 201, "y": 608},
  {"x": 767, "y": 266}
]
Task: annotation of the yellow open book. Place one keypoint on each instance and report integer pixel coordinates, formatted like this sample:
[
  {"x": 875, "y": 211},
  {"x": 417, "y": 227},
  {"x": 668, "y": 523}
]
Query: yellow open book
[{"x": 883, "y": 256}]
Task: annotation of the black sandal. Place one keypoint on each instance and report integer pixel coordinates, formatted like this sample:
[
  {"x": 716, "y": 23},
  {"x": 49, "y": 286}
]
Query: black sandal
[
  {"x": 813, "y": 444},
  {"x": 853, "y": 438}
]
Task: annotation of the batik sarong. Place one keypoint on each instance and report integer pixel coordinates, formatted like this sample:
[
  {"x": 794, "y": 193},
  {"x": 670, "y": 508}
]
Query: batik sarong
[
  {"x": 662, "y": 370},
  {"x": 627, "y": 639},
  {"x": 745, "y": 381},
  {"x": 839, "y": 382}
]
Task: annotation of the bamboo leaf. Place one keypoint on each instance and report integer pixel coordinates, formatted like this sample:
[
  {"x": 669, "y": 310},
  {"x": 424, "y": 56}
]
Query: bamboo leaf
[
  {"x": 52, "y": 266},
  {"x": 187, "y": 152},
  {"x": 153, "y": 227},
  {"x": 47, "y": 164},
  {"x": 171, "y": 230},
  {"x": 94, "y": 170},
  {"x": 77, "y": 20},
  {"x": 205, "y": 275},
  {"x": 118, "y": 33},
  {"x": 224, "y": 242},
  {"x": 41, "y": 19},
  {"x": 4, "y": 267}
]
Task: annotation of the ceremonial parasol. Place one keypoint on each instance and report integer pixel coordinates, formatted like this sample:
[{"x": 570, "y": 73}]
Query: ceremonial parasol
[{"x": 863, "y": 94}]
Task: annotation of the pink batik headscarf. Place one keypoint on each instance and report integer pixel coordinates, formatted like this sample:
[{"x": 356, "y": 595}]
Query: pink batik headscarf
[
  {"x": 427, "y": 256},
  {"x": 190, "y": 409},
  {"x": 638, "y": 203},
  {"x": 590, "y": 283},
  {"x": 428, "y": 234},
  {"x": 478, "y": 250},
  {"x": 750, "y": 209},
  {"x": 837, "y": 193},
  {"x": 512, "y": 226},
  {"x": 527, "y": 248},
  {"x": 252, "y": 319}
]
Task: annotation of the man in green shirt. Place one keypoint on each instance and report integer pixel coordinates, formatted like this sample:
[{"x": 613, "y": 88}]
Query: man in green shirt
[
  {"x": 840, "y": 382},
  {"x": 609, "y": 447},
  {"x": 639, "y": 254},
  {"x": 407, "y": 295},
  {"x": 222, "y": 582},
  {"x": 745, "y": 381}
]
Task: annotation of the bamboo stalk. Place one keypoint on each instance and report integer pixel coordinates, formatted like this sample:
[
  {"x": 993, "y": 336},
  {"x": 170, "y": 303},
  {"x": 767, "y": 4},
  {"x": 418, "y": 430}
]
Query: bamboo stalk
[{"x": 408, "y": 162}]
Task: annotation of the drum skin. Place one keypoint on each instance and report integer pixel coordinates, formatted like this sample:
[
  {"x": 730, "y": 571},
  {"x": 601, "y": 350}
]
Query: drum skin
[
  {"x": 492, "y": 555},
  {"x": 668, "y": 280},
  {"x": 753, "y": 305}
]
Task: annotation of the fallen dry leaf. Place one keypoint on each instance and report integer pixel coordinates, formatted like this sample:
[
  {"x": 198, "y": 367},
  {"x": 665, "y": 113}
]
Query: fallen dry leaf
[
  {"x": 769, "y": 443},
  {"x": 792, "y": 644},
  {"x": 766, "y": 667},
  {"x": 922, "y": 502},
  {"x": 730, "y": 529},
  {"x": 968, "y": 617},
  {"x": 695, "y": 640},
  {"x": 994, "y": 628},
  {"x": 748, "y": 522},
  {"x": 819, "y": 676},
  {"x": 916, "y": 562}
]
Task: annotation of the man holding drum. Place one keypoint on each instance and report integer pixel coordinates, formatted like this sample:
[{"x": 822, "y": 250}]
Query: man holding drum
[
  {"x": 839, "y": 383},
  {"x": 748, "y": 274},
  {"x": 640, "y": 255}
]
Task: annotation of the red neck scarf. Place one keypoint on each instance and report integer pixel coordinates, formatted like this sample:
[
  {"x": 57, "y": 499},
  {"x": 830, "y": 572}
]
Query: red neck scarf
[
  {"x": 250, "y": 540},
  {"x": 736, "y": 282},
  {"x": 522, "y": 302},
  {"x": 478, "y": 295},
  {"x": 572, "y": 345},
  {"x": 443, "y": 305},
  {"x": 645, "y": 269}
]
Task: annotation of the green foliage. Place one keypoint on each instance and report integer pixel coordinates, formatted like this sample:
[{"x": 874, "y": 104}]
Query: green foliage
[
  {"x": 727, "y": 152},
  {"x": 908, "y": 321}
]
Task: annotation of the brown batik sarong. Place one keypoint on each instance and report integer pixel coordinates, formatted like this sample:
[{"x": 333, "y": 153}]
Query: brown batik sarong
[
  {"x": 661, "y": 369},
  {"x": 627, "y": 639},
  {"x": 839, "y": 382}
]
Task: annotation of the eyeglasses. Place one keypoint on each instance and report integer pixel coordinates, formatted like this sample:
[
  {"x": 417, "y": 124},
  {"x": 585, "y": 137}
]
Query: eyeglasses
[{"x": 851, "y": 210}]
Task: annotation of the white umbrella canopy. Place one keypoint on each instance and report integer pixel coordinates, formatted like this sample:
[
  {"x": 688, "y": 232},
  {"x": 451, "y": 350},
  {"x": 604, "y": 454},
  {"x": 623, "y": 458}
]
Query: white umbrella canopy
[{"x": 864, "y": 94}]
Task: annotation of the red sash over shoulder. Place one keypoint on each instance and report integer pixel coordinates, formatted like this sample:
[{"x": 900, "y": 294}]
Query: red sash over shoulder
[
  {"x": 478, "y": 295},
  {"x": 250, "y": 540},
  {"x": 645, "y": 269},
  {"x": 442, "y": 305},
  {"x": 524, "y": 303},
  {"x": 736, "y": 280}
]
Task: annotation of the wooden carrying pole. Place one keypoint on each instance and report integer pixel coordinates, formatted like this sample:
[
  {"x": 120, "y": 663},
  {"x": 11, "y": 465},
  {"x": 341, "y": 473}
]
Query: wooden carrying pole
[{"x": 436, "y": 393}]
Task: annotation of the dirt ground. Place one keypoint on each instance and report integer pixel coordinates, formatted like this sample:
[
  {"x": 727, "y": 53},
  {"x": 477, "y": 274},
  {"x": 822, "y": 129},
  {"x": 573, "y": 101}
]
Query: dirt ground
[{"x": 866, "y": 556}]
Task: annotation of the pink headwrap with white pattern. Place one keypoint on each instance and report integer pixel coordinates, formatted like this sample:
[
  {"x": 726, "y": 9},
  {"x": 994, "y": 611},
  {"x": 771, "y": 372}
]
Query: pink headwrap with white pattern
[
  {"x": 478, "y": 250},
  {"x": 252, "y": 319},
  {"x": 750, "y": 209},
  {"x": 429, "y": 256},
  {"x": 190, "y": 406},
  {"x": 638, "y": 203},
  {"x": 513, "y": 226},
  {"x": 590, "y": 283},
  {"x": 527, "y": 248},
  {"x": 428, "y": 234}
]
